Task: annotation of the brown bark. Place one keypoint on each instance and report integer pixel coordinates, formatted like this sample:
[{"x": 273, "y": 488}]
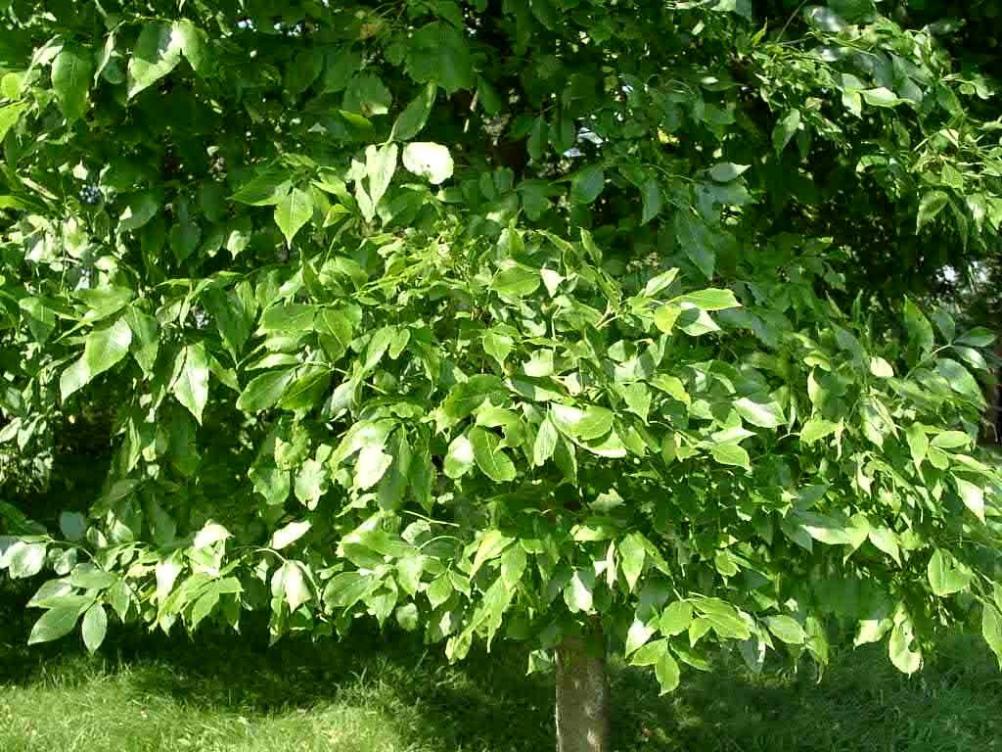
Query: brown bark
[{"x": 582, "y": 696}]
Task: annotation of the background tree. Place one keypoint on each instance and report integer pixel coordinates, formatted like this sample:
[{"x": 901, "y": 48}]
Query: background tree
[{"x": 569, "y": 322}]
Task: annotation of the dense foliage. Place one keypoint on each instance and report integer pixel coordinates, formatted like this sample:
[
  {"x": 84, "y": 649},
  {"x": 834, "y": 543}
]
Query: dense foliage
[{"x": 501, "y": 319}]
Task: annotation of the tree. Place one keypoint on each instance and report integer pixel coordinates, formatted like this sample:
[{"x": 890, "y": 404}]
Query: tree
[{"x": 568, "y": 322}]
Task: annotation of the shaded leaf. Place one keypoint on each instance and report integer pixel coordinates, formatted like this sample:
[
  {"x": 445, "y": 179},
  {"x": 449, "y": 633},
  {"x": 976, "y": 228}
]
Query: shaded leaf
[{"x": 71, "y": 78}]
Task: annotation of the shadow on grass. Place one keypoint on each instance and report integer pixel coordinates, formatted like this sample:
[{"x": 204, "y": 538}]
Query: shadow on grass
[
  {"x": 487, "y": 704},
  {"x": 861, "y": 704}
]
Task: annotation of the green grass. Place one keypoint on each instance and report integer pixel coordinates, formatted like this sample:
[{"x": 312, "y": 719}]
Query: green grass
[{"x": 374, "y": 694}]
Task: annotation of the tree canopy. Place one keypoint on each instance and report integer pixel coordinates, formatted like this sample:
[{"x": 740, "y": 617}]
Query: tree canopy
[{"x": 501, "y": 319}]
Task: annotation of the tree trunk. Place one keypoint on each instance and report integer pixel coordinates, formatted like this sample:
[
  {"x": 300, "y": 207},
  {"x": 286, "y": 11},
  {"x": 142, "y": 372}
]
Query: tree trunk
[{"x": 582, "y": 696}]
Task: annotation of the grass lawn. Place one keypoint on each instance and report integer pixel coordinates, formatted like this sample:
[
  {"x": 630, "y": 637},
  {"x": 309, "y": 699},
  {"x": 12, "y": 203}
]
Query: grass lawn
[{"x": 372, "y": 694}]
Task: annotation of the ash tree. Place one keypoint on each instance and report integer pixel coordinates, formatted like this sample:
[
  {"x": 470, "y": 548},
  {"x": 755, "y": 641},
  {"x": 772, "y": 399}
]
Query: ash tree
[{"x": 572, "y": 322}]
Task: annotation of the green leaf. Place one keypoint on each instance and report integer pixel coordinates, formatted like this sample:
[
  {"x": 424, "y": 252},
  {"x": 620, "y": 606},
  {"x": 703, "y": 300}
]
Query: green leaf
[
  {"x": 972, "y": 496},
  {"x": 991, "y": 630},
  {"x": 636, "y": 636},
  {"x": 918, "y": 443},
  {"x": 309, "y": 485},
  {"x": 492, "y": 462},
  {"x": 210, "y": 534},
  {"x": 649, "y": 654},
  {"x": 710, "y": 299},
  {"x": 71, "y": 77},
  {"x": 498, "y": 346},
  {"x": 651, "y": 200},
  {"x": 785, "y": 130},
  {"x": 346, "y": 589},
  {"x": 24, "y": 559},
  {"x": 696, "y": 241},
  {"x": 289, "y": 318},
  {"x": 380, "y": 342},
  {"x": 725, "y": 620},
  {"x": 725, "y": 172},
  {"x": 787, "y": 629},
  {"x": 303, "y": 70},
  {"x": 944, "y": 578},
  {"x": 886, "y": 540},
  {"x": 292, "y": 211},
  {"x": 459, "y": 458},
  {"x": 977, "y": 337},
  {"x": 667, "y": 673},
  {"x": 292, "y": 584},
  {"x": 193, "y": 43},
  {"x": 492, "y": 545},
  {"x": 516, "y": 281},
  {"x": 380, "y": 166},
  {"x": 289, "y": 534},
  {"x": 545, "y": 443},
  {"x": 830, "y": 530},
  {"x": 412, "y": 120},
  {"x": 73, "y": 525},
  {"x": 972, "y": 357},
  {"x": 881, "y": 368},
  {"x": 920, "y": 332},
  {"x": 513, "y": 565},
  {"x": 266, "y": 188},
  {"x": 371, "y": 466},
  {"x": 675, "y": 619},
  {"x": 578, "y": 591},
  {"x": 367, "y": 95},
  {"x": 191, "y": 387},
  {"x": 141, "y": 208},
  {"x": 763, "y": 414},
  {"x": 53, "y": 624},
  {"x": 407, "y": 617},
  {"x": 537, "y": 140},
  {"x": 587, "y": 184},
  {"x": 157, "y": 53},
  {"x": 342, "y": 64},
  {"x": 94, "y": 627},
  {"x": 438, "y": 53},
  {"x": 960, "y": 379},
  {"x": 184, "y": 239},
  {"x": 880, "y": 97},
  {"x": 666, "y": 316},
  {"x": 638, "y": 399},
  {"x": 816, "y": 429},
  {"x": 9, "y": 116},
  {"x": 951, "y": 440},
  {"x": 308, "y": 390},
  {"x": 906, "y": 657},
  {"x": 632, "y": 554},
  {"x": 587, "y": 424},
  {"x": 731, "y": 454},
  {"x": 103, "y": 349},
  {"x": 89, "y": 577},
  {"x": 439, "y": 591},
  {"x": 265, "y": 390},
  {"x": 428, "y": 160},
  {"x": 660, "y": 282},
  {"x": 930, "y": 206}
]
